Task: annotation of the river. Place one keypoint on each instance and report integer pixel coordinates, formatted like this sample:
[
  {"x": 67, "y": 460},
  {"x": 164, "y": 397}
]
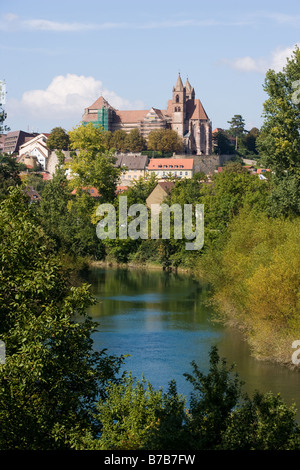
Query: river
[{"x": 163, "y": 321}]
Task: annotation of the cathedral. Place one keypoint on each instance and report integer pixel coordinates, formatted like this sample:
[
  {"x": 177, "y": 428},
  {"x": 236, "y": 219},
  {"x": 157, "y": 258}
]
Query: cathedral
[{"x": 184, "y": 114}]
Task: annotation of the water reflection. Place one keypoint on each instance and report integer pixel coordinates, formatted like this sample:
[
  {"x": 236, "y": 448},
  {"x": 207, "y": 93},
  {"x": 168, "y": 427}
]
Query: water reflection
[{"x": 163, "y": 321}]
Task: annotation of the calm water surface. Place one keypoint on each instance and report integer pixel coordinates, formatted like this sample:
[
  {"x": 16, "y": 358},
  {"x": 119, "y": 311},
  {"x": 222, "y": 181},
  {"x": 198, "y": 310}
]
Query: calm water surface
[{"x": 163, "y": 321}]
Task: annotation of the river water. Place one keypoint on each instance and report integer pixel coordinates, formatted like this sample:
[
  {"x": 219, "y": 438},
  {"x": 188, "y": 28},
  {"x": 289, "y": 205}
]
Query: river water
[{"x": 163, "y": 321}]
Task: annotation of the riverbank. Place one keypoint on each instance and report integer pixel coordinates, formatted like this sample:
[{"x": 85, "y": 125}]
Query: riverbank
[{"x": 143, "y": 266}]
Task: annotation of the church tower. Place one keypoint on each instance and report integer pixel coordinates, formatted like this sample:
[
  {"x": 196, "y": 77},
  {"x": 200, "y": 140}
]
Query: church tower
[
  {"x": 179, "y": 107},
  {"x": 189, "y": 90}
]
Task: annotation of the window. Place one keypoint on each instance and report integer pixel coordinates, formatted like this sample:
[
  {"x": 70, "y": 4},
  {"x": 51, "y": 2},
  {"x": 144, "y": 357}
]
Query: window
[
  {"x": 186, "y": 172},
  {"x": 177, "y": 98},
  {"x": 181, "y": 166}
]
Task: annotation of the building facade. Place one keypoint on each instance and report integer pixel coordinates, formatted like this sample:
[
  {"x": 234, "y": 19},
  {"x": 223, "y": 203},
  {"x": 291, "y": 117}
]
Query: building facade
[
  {"x": 167, "y": 167},
  {"x": 13, "y": 140},
  {"x": 133, "y": 167},
  {"x": 184, "y": 114},
  {"x": 35, "y": 148}
]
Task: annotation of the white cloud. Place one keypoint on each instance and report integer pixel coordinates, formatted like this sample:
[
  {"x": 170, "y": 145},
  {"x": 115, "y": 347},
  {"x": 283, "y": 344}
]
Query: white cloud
[
  {"x": 66, "y": 97},
  {"x": 46, "y": 25},
  {"x": 11, "y": 22},
  {"x": 276, "y": 61}
]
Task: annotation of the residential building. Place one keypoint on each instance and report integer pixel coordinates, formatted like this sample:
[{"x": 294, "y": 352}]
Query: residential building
[
  {"x": 158, "y": 195},
  {"x": 133, "y": 167},
  {"x": 35, "y": 148},
  {"x": 184, "y": 114},
  {"x": 13, "y": 141},
  {"x": 2, "y": 139},
  {"x": 166, "y": 167}
]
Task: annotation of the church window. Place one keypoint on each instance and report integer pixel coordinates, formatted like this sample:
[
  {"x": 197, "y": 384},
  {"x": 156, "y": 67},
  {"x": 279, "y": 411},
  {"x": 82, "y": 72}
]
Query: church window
[
  {"x": 179, "y": 108},
  {"x": 177, "y": 98}
]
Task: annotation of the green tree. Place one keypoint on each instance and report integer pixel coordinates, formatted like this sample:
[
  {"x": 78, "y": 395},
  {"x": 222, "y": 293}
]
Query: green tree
[
  {"x": 93, "y": 165},
  {"x": 66, "y": 219},
  {"x": 213, "y": 398},
  {"x": 279, "y": 139},
  {"x": 237, "y": 125},
  {"x": 134, "y": 141},
  {"x": 119, "y": 140},
  {"x": 9, "y": 174},
  {"x": 250, "y": 139},
  {"x": 58, "y": 139},
  {"x": 3, "y": 116},
  {"x": 52, "y": 378},
  {"x": 165, "y": 140},
  {"x": 229, "y": 191},
  {"x": 222, "y": 144}
]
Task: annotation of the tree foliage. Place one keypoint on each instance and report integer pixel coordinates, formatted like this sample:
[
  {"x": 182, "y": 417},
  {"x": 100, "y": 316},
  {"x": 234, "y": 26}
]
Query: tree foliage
[
  {"x": 165, "y": 140},
  {"x": 92, "y": 165},
  {"x": 58, "y": 139},
  {"x": 279, "y": 139},
  {"x": 51, "y": 378}
]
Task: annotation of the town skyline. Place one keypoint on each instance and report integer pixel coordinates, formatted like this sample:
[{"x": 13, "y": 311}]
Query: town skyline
[{"x": 58, "y": 59}]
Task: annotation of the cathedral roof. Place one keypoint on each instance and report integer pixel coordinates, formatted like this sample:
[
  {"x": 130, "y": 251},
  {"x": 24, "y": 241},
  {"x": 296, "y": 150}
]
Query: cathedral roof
[
  {"x": 100, "y": 103},
  {"x": 131, "y": 116},
  {"x": 195, "y": 110}
]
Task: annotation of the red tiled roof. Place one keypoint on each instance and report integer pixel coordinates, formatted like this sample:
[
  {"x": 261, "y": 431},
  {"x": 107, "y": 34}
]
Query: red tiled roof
[
  {"x": 100, "y": 103},
  {"x": 132, "y": 116},
  {"x": 47, "y": 176},
  {"x": 195, "y": 110},
  {"x": 93, "y": 191},
  {"x": 121, "y": 189},
  {"x": 166, "y": 185},
  {"x": 159, "y": 163}
]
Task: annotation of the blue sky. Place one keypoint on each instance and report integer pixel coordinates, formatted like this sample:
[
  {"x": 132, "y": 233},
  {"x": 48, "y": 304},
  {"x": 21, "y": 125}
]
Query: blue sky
[{"x": 58, "y": 57}]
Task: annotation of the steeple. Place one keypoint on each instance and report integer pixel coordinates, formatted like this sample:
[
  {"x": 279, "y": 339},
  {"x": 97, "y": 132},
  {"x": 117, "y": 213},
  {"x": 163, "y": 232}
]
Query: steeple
[
  {"x": 190, "y": 92},
  {"x": 179, "y": 84}
]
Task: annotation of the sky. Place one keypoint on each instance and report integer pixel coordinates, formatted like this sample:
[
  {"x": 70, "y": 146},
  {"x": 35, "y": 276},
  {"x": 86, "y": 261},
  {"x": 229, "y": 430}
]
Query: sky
[{"x": 58, "y": 57}]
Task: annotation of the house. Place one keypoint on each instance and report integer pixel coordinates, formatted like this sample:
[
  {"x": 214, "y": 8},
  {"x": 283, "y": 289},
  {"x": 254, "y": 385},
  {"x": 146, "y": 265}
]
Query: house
[
  {"x": 91, "y": 190},
  {"x": 13, "y": 140},
  {"x": 133, "y": 167},
  {"x": 36, "y": 149},
  {"x": 32, "y": 194},
  {"x": 177, "y": 167},
  {"x": 160, "y": 192},
  {"x": 185, "y": 114},
  {"x": 262, "y": 170}
]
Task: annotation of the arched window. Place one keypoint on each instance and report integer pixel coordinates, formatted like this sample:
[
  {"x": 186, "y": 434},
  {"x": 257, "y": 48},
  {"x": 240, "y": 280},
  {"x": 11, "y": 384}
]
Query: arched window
[
  {"x": 177, "y": 98},
  {"x": 175, "y": 109},
  {"x": 179, "y": 108}
]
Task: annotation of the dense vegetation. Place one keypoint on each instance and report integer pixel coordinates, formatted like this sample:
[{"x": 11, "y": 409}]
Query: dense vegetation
[{"x": 55, "y": 391}]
